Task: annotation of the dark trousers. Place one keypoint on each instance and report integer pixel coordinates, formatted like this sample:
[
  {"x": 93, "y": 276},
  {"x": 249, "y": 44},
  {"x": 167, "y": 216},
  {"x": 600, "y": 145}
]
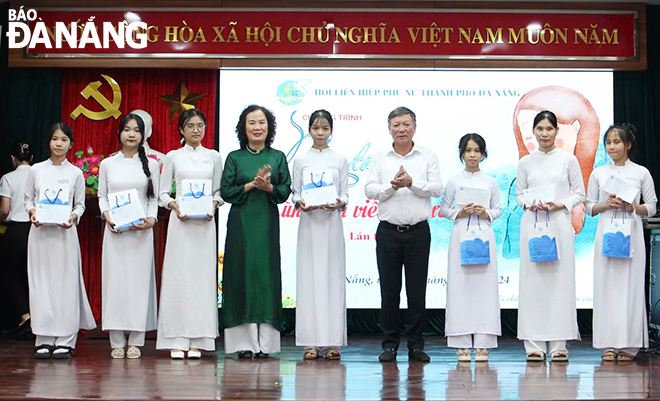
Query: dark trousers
[
  {"x": 395, "y": 249},
  {"x": 15, "y": 268}
]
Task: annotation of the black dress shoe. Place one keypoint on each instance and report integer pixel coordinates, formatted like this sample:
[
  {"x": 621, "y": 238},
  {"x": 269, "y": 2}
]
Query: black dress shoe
[
  {"x": 388, "y": 355},
  {"x": 419, "y": 355},
  {"x": 261, "y": 355},
  {"x": 244, "y": 354}
]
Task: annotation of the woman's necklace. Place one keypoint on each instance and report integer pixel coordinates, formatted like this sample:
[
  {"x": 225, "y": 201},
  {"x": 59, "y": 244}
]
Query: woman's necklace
[{"x": 252, "y": 151}]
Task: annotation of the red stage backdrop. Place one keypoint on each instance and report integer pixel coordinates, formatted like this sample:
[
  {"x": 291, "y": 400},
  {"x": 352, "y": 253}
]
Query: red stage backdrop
[{"x": 139, "y": 89}]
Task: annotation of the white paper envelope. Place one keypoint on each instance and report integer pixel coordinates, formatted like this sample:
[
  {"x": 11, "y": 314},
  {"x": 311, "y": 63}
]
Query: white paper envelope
[
  {"x": 478, "y": 196},
  {"x": 545, "y": 193},
  {"x": 54, "y": 206},
  {"x": 318, "y": 188},
  {"x": 617, "y": 186},
  {"x": 196, "y": 198},
  {"x": 125, "y": 209}
]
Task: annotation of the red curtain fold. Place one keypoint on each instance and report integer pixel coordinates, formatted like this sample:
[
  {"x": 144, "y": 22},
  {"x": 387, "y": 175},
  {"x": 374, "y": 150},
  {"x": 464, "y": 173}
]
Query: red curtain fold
[{"x": 140, "y": 89}]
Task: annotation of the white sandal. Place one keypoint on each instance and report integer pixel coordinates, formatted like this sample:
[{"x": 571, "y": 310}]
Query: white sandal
[
  {"x": 133, "y": 352},
  {"x": 117, "y": 353},
  {"x": 481, "y": 355},
  {"x": 536, "y": 356},
  {"x": 464, "y": 354}
]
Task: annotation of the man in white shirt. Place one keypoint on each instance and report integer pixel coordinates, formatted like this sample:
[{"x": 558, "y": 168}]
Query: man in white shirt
[{"x": 403, "y": 179}]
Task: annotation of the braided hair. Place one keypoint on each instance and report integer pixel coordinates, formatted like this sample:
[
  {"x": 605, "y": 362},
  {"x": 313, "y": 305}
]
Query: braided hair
[{"x": 141, "y": 152}]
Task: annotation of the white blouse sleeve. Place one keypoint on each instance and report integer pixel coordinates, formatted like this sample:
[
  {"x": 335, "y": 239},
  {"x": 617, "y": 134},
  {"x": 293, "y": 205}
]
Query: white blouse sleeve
[
  {"x": 166, "y": 179},
  {"x": 103, "y": 188},
  {"x": 593, "y": 192},
  {"x": 78, "y": 195},
  {"x": 577, "y": 185},
  {"x": 447, "y": 199},
  {"x": 495, "y": 209},
  {"x": 648, "y": 193}
]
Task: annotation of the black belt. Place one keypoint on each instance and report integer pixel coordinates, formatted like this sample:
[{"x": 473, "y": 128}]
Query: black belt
[{"x": 404, "y": 228}]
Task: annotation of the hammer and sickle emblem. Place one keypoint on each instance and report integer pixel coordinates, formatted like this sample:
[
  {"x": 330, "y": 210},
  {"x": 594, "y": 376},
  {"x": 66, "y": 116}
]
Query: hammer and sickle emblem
[{"x": 111, "y": 109}]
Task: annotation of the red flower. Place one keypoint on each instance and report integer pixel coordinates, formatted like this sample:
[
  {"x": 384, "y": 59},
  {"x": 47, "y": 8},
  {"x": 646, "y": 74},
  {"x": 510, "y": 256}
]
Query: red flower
[
  {"x": 94, "y": 170},
  {"x": 79, "y": 163},
  {"x": 85, "y": 174},
  {"x": 94, "y": 159}
]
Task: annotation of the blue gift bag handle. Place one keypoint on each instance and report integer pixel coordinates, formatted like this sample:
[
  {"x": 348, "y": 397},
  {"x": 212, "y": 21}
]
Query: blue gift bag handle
[
  {"x": 117, "y": 200},
  {"x": 547, "y": 217},
  {"x": 52, "y": 202},
  {"x": 623, "y": 215},
  {"x": 320, "y": 184},
  {"x": 193, "y": 192},
  {"x": 478, "y": 222}
]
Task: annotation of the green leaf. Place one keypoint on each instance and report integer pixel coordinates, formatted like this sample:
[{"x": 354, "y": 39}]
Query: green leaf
[
  {"x": 79, "y": 154},
  {"x": 90, "y": 180}
]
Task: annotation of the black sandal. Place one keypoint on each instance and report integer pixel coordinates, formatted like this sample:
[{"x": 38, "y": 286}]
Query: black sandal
[
  {"x": 43, "y": 355},
  {"x": 63, "y": 355}
]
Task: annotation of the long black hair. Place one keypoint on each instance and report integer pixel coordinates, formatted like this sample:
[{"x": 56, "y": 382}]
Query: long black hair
[{"x": 141, "y": 152}]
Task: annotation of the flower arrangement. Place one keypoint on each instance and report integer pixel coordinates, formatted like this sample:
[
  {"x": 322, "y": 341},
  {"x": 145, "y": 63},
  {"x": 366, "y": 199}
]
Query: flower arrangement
[{"x": 88, "y": 162}]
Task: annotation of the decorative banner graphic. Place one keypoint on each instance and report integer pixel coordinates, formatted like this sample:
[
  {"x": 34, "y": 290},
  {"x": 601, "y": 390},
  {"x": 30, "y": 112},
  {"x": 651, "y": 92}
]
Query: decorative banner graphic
[
  {"x": 479, "y": 34},
  {"x": 499, "y": 105}
]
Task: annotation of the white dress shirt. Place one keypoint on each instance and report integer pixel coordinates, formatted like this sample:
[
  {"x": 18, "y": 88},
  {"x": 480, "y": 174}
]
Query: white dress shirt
[{"x": 405, "y": 206}]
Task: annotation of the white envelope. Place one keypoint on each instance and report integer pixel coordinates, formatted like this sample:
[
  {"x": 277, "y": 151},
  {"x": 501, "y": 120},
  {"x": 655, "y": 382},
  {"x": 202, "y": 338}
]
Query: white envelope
[
  {"x": 54, "y": 206},
  {"x": 478, "y": 196},
  {"x": 318, "y": 188},
  {"x": 196, "y": 200},
  {"x": 125, "y": 209},
  {"x": 617, "y": 186},
  {"x": 545, "y": 193}
]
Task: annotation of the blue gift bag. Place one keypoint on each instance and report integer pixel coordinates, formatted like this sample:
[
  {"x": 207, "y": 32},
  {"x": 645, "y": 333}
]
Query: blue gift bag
[
  {"x": 616, "y": 237},
  {"x": 475, "y": 247},
  {"x": 543, "y": 240}
]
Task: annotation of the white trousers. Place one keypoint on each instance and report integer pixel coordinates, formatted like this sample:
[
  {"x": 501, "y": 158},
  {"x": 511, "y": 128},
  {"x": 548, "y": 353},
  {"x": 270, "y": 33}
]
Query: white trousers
[
  {"x": 118, "y": 338},
  {"x": 69, "y": 341},
  {"x": 466, "y": 341},
  {"x": 539, "y": 346},
  {"x": 185, "y": 344},
  {"x": 255, "y": 337}
]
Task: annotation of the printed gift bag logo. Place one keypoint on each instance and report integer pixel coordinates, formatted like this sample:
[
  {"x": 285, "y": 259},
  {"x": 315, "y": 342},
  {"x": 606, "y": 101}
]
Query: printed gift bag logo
[
  {"x": 543, "y": 240},
  {"x": 475, "y": 246},
  {"x": 616, "y": 237}
]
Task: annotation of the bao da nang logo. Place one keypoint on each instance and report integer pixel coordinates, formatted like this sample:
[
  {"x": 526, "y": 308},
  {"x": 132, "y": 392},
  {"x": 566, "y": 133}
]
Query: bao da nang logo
[
  {"x": 72, "y": 35},
  {"x": 291, "y": 93}
]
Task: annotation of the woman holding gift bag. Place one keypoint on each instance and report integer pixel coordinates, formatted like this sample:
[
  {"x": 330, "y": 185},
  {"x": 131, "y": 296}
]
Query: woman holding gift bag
[
  {"x": 473, "y": 302},
  {"x": 129, "y": 283},
  {"x": 548, "y": 187},
  {"x": 321, "y": 260},
  {"x": 256, "y": 179},
  {"x": 619, "y": 322},
  {"x": 58, "y": 301},
  {"x": 188, "y": 319}
]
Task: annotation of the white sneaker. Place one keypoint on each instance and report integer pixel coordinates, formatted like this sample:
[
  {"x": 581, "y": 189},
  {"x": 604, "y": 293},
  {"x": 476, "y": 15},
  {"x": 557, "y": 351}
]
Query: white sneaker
[
  {"x": 176, "y": 354},
  {"x": 194, "y": 354}
]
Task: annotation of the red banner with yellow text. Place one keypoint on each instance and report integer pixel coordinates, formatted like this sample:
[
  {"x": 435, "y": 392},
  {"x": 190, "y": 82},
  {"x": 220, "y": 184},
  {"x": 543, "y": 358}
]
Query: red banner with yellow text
[{"x": 487, "y": 34}]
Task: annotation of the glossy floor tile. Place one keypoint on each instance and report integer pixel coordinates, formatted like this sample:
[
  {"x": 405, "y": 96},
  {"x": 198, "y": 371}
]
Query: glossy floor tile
[{"x": 357, "y": 376}]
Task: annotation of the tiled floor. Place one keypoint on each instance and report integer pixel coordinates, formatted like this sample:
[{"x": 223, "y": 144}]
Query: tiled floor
[{"x": 358, "y": 376}]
